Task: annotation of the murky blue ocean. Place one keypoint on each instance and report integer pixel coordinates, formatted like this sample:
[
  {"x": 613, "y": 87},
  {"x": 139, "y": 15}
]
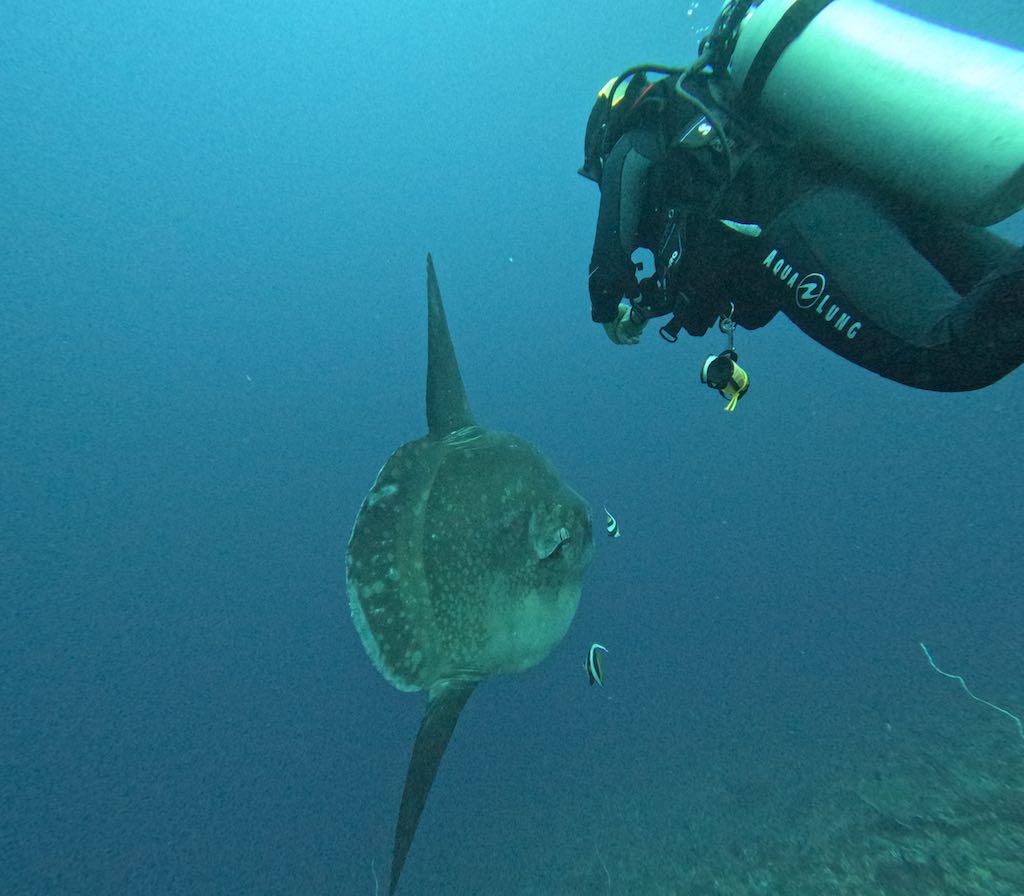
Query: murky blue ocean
[{"x": 214, "y": 218}]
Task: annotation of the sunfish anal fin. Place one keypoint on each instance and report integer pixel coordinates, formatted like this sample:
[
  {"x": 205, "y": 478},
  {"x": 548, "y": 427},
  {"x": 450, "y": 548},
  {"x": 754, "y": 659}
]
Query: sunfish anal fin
[{"x": 446, "y": 702}]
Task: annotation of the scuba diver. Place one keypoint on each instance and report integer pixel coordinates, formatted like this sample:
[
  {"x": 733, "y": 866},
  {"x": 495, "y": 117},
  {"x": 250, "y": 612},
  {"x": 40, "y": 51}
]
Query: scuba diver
[{"x": 802, "y": 165}]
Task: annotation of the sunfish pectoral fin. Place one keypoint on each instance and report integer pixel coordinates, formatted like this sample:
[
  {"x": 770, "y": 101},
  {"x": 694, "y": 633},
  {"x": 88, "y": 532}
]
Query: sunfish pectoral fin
[{"x": 446, "y": 702}]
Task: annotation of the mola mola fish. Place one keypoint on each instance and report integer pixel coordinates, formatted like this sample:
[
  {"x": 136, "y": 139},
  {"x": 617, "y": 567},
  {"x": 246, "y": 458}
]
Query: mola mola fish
[{"x": 465, "y": 562}]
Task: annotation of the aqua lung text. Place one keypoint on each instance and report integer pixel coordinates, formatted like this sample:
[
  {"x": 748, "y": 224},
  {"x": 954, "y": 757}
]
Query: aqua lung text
[{"x": 811, "y": 294}]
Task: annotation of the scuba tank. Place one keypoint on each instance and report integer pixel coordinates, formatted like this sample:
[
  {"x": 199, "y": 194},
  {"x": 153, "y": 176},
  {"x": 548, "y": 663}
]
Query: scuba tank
[{"x": 923, "y": 110}]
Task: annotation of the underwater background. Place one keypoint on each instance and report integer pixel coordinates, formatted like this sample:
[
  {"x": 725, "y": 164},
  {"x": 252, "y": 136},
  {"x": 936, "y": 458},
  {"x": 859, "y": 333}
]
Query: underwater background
[{"x": 214, "y": 218}]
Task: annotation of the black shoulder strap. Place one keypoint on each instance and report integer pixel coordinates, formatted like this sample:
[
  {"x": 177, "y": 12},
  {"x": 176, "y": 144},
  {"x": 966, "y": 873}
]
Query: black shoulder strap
[{"x": 786, "y": 30}]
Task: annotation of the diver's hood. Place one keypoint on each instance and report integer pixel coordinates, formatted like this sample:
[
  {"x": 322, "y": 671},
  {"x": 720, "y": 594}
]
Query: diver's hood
[{"x": 609, "y": 119}]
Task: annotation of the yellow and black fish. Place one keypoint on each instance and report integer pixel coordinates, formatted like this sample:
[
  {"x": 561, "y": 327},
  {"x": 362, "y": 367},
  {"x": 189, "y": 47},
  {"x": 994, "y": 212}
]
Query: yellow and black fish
[
  {"x": 611, "y": 526},
  {"x": 593, "y": 664}
]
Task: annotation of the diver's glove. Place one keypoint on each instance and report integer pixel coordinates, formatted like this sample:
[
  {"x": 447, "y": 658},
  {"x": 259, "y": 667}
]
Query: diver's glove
[{"x": 627, "y": 326}]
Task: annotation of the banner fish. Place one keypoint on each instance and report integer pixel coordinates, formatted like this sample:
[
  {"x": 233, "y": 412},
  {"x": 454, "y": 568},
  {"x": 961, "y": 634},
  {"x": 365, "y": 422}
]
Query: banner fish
[
  {"x": 593, "y": 664},
  {"x": 611, "y": 526}
]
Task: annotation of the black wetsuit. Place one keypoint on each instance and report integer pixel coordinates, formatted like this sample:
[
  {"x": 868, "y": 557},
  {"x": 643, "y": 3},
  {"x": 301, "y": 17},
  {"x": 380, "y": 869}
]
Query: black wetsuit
[{"x": 930, "y": 302}]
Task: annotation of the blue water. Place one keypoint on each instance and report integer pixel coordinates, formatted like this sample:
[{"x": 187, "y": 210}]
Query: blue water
[{"x": 213, "y": 226}]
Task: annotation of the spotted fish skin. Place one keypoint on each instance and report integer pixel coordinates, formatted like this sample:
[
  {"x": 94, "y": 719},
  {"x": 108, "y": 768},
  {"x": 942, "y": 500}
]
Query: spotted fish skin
[{"x": 465, "y": 562}]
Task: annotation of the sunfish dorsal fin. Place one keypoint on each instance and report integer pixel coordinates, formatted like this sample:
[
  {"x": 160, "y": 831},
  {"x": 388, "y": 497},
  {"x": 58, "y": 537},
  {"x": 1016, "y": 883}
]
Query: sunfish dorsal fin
[
  {"x": 446, "y": 702},
  {"x": 447, "y": 406}
]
